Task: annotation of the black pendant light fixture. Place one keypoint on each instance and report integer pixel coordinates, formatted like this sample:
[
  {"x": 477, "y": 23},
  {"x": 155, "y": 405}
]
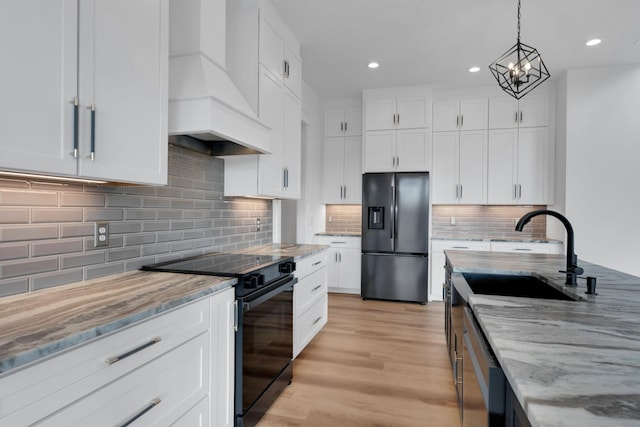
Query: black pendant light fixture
[{"x": 520, "y": 69}]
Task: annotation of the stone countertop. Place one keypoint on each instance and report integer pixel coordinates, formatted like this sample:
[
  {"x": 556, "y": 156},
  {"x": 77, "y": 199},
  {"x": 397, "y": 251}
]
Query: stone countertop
[
  {"x": 570, "y": 363},
  {"x": 498, "y": 239},
  {"x": 42, "y": 323},
  {"x": 294, "y": 250}
]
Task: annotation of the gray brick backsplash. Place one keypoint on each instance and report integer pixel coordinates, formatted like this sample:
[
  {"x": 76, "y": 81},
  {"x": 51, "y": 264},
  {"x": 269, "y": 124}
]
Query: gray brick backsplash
[
  {"x": 14, "y": 216},
  {"x": 40, "y": 215},
  {"x": 28, "y": 232},
  {"x": 62, "y": 246},
  {"x": 28, "y": 198},
  {"x": 49, "y": 280},
  {"x": 14, "y": 286},
  {"x": 46, "y": 229},
  {"x": 14, "y": 251}
]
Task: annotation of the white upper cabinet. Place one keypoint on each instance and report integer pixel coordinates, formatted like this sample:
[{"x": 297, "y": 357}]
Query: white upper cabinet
[
  {"x": 519, "y": 166},
  {"x": 342, "y": 122},
  {"x": 397, "y": 129},
  {"x": 264, "y": 61},
  {"x": 459, "y": 174},
  {"x": 530, "y": 111},
  {"x": 466, "y": 114},
  {"x": 85, "y": 100},
  {"x": 342, "y": 170}
]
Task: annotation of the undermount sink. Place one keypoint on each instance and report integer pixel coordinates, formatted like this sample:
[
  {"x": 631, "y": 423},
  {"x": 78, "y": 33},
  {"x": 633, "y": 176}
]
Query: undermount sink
[{"x": 513, "y": 285}]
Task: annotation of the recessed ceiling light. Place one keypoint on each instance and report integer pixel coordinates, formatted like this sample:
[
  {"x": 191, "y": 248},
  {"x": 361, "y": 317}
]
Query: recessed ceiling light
[
  {"x": 373, "y": 65},
  {"x": 474, "y": 69},
  {"x": 593, "y": 42}
]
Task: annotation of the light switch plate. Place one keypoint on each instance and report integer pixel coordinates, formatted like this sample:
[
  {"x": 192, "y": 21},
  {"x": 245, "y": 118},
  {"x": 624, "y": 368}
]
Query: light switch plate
[{"x": 101, "y": 234}]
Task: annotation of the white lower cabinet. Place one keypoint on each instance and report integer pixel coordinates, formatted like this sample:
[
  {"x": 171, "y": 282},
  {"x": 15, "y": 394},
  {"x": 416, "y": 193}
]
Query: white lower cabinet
[
  {"x": 309, "y": 300},
  {"x": 528, "y": 247},
  {"x": 344, "y": 262},
  {"x": 163, "y": 364}
]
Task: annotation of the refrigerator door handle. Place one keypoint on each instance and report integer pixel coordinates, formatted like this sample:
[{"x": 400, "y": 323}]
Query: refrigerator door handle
[{"x": 393, "y": 217}]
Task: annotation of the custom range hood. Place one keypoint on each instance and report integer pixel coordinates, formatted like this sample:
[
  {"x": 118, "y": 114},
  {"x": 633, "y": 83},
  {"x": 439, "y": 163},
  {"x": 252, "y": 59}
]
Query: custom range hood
[{"x": 207, "y": 112}]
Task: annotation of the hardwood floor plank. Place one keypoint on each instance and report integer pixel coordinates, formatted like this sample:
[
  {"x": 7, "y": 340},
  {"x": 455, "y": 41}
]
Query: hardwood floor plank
[{"x": 375, "y": 363}]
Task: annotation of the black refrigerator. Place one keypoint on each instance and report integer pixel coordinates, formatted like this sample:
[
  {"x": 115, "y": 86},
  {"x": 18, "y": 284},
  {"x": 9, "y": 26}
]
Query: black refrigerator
[{"x": 395, "y": 236}]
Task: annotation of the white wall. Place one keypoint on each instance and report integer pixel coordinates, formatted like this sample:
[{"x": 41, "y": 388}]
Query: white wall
[{"x": 602, "y": 164}]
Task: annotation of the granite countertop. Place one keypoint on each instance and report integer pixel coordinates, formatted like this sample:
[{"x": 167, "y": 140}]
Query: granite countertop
[
  {"x": 39, "y": 324},
  {"x": 498, "y": 239},
  {"x": 294, "y": 250},
  {"x": 570, "y": 363}
]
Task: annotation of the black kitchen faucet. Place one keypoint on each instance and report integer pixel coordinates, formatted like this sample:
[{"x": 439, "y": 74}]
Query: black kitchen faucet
[{"x": 573, "y": 270}]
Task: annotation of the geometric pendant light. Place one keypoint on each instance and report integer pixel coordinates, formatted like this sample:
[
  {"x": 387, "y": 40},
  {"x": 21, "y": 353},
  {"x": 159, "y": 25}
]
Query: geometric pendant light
[{"x": 520, "y": 69}]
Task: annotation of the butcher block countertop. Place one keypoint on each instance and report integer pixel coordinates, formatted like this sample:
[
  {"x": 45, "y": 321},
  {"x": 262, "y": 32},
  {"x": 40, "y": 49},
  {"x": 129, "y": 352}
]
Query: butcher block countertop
[
  {"x": 570, "y": 363},
  {"x": 42, "y": 323}
]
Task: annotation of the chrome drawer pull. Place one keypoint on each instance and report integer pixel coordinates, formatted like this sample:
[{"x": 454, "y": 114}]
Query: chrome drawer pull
[
  {"x": 317, "y": 320},
  {"x": 316, "y": 288},
  {"x": 150, "y": 406},
  {"x": 316, "y": 263},
  {"x": 113, "y": 360}
]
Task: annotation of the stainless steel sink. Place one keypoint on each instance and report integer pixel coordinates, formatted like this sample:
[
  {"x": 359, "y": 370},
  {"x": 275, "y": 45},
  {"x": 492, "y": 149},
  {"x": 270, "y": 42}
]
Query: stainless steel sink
[{"x": 513, "y": 285}]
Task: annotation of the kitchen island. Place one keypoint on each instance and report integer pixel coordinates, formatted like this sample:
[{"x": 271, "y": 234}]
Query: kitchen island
[{"x": 569, "y": 363}]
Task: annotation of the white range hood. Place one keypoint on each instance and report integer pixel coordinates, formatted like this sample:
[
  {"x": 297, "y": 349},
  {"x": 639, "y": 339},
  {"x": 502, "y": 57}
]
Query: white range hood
[{"x": 206, "y": 109}]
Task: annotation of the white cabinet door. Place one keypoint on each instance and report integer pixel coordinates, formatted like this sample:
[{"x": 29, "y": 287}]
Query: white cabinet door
[
  {"x": 502, "y": 166},
  {"x": 333, "y": 268},
  {"x": 446, "y": 116},
  {"x": 474, "y": 114},
  {"x": 123, "y": 74},
  {"x": 413, "y": 113},
  {"x": 534, "y": 110},
  {"x": 334, "y": 122},
  {"x": 38, "y": 40},
  {"x": 333, "y": 170},
  {"x": 380, "y": 114},
  {"x": 353, "y": 170},
  {"x": 292, "y": 145},
  {"x": 350, "y": 262},
  {"x": 472, "y": 167},
  {"x": 379, "y": 151},
  {"x": 532, "y": 152},
  {"x": 222, "y": 358},
  {"x": 353, "y": 121},
  {"x": 270, "y": 112},
  {"x": 445, "y": 177},
  {"x": 413, "y": 150},
  {"x": 503, "y": 112},
  {"x": 271, "y": 45},
  {"x": 293, "y": 73}
]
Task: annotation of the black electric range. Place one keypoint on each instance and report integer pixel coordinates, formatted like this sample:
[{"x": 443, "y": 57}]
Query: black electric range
[{"x": 254, "y": 272}]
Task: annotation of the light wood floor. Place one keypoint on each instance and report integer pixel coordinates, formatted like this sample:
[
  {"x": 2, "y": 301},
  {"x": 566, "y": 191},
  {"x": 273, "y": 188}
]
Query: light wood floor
[{"x": 375, "y": 363}]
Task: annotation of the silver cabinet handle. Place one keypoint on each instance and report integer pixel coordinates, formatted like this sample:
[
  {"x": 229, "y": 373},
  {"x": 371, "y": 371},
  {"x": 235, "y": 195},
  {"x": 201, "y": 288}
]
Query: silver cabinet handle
[
  {"x": 516, "y": 120},
  {"x": 461, "y": 120},
  {"x": 345, "y": 191},
  {"x": 338, "y": 241},
  {"x": 341, "y": 126},
  {"x": 316, "y": 288},
  {"x": 519, "y": 191},
  {"x": 284, "y": 179},
  {"x": 150, "y": 406},
  {"x": 456, "y": 191},
  {"x": 345, "y": 126},
  {"x": 236, "y": 314},
  {"x": 460, "y": 191},
  {"x": 112, "y": 360},
  {"x": 520, "y": 116},
  {"x": 317, "y": 320},
  {"x": 286, "y": 69},
  {"x": 76, "y": 124},
  {"x": 336, "y": 257},
  {"x": 92, "y": 154},
  {"x": 522, "y": 249},
  {"x": 398, "y": 118},
  {"x": 458, "y": 121},
  {"x": 397, "y": 161},
  {"x": 515, "y": 191},
  {"x": 460, "y": 247},
  {"x": 316, "y": 263}
]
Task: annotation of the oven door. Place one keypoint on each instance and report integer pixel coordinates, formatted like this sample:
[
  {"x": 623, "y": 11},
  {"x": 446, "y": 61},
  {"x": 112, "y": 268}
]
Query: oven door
[{"x": 264, "y": 349}]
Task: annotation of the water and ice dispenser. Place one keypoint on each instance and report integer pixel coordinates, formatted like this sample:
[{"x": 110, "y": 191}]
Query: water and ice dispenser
[{"x": 376, "y": 217}]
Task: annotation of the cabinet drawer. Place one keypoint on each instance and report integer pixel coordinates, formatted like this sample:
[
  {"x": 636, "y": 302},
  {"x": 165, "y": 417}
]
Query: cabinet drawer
[
  {"x": 340, "y": 241},
  {"x": 309, "y": 323},
  {"x": 37, "y": 391},
  {"x": 309, "y": 289},
  {"x": 173, "y": 381},
  {"x": 460, "y": 245},
  {"x": 309, "y": 264},
  {"x": 527, "y": 247}
]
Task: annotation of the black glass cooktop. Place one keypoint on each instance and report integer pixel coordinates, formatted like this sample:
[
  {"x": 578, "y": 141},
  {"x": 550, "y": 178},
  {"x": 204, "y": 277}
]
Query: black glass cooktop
[{"x": 218, "y": 264}]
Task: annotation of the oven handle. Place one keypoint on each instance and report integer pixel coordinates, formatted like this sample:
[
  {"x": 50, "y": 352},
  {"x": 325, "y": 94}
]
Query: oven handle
[{"x": 279, "y": 287}]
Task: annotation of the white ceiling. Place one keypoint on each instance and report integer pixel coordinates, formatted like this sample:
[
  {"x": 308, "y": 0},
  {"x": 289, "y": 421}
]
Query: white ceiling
[{"x": 436, "y": 41}]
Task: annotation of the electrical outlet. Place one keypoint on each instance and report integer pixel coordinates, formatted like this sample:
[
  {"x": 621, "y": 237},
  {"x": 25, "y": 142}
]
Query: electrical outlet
[
  {"x": 453, "y": 220},
  {"x": 101, "y": 234},
  {"x": 257, "y": 224}
]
